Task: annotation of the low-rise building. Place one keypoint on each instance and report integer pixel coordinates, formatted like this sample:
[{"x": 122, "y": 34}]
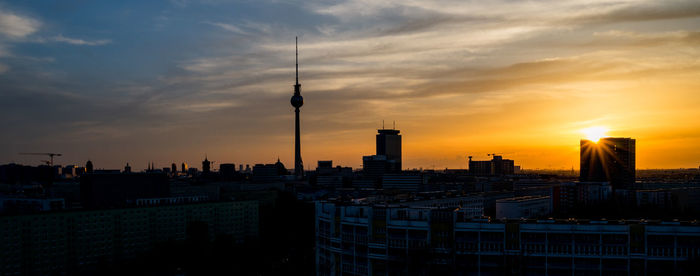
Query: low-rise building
[
  {"x": 524, "y": 207},
  {"x": 386, "y": 239},
  {"x": 42, "y": 244}
]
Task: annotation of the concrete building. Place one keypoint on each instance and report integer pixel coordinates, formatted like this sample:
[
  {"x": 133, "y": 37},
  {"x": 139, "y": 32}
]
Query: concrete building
[
  {"x": 524, "y": 207},
  {"x": 354, "y": 239},
  {"x": 109, "y": 190},
  {"x": 43, "y": 244},
  {"x": 21, "y": 205},
  {"x": 404, "y": 182}
]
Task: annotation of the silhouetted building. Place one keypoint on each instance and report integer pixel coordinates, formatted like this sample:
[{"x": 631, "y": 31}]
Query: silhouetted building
[
  {"x": 389, "y": 145},
  {"x": 329, "y": 177},
  {"x": 325, "y": 164},
  {"x": 497, "y": 166},
  {"x": 610, "y": 159},
  {"x": 281, "y": 169},
  {"x": 374, "y": 166},
  {"x": 192, "y": 171},
  {"x": 173, "y": 168},
  {"x": 184, "y": 168},
  {"x": 68, "y": 171},
  {"x": 206, "y": 165},
  {"x": 265, "y": 173},
  {"x": 108, "y": 190},
  {"x": 127, "y": 168},
  {"x": 88, "y": 167},
  {"x": 19, "y": 174},
  {"x": 227, "y": 171},
  {"x": 297, "y": 101},
  {"x": 404, "y": 182}
]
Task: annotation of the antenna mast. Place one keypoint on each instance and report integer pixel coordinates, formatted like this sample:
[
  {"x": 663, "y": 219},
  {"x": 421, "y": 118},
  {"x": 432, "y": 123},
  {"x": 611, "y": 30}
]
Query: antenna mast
[{"x": 296, "y": 46}]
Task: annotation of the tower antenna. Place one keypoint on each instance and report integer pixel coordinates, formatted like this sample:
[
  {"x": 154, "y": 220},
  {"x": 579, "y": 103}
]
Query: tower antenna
[
  {"x": 382, "y": 124},
  {"x": 296, "y": 47},
  {"x": 394, "y": 125}
]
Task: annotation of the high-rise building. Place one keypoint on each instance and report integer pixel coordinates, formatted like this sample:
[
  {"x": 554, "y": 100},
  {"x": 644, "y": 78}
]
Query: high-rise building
[
  {"x": 184, "y": 167},
  {"x": 389, "y": 145},
  {"x": 173, "y": 168},
  {"x": 609, "y": 160},
  {"x": 297, "y": 101}
]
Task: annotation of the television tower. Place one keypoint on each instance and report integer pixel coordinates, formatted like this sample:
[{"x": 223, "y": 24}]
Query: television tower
[{"x": 297, "y": 101}]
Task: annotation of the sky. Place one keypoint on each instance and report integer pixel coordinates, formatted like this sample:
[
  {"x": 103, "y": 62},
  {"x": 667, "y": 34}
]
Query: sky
[{"x": 173, "y": 81}]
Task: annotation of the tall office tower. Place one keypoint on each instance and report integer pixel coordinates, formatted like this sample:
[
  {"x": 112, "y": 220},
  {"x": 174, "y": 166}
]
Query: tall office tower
[
  {"x": 184, "y": 167},
  {"x": 297, "y": 101},
  {"x": 389, "y": 145},
  {"x": 610, "y": 159},
  {"x": 173, "y": 168},
  {"x": 206, "y": 165},
  {"x": 127, "y": 168}
]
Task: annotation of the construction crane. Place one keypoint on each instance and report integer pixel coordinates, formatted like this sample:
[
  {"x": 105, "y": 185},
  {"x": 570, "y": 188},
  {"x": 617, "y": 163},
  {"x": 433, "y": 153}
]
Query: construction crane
[{"x": 50, "y": 154}]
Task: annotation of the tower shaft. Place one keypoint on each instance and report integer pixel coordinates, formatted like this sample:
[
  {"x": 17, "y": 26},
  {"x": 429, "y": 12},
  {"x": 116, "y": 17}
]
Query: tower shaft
[
  {"x": 297, "y": 101},
  {"x": 298, "y": 164}
]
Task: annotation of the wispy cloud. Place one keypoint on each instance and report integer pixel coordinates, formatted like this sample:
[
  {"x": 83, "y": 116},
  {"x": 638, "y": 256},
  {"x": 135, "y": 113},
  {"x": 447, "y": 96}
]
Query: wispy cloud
[
  {"x": 17, "y": 26},
  {"x": 77, "y": 41},
  {"x": 228, "y": 27}
]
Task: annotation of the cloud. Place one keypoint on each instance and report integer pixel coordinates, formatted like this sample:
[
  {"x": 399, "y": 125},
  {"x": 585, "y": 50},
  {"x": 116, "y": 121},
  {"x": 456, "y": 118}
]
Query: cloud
[
  {"x": 3, "y": 68},
  {"x": 644, "y": 11},
  {"x": 75, "y": 41},
  {"x": 17, "y": 26},
  {"x": 228, "y": 27}
]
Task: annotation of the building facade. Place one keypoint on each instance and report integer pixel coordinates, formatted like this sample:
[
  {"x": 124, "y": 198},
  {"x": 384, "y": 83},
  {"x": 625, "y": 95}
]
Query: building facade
[
  {"x": 399, "y": 240},
  {"x": 43, "y": 244},
  {"x": 524, "y": 207}
]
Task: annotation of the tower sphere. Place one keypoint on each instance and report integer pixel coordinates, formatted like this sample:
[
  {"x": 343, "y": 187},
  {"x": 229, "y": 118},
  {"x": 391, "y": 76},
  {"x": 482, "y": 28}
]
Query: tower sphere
[{"x": 297, "y": 101}]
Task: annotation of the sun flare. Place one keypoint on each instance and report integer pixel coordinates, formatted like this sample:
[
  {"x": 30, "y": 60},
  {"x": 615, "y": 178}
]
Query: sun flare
[{"x": 594, "y": 133}]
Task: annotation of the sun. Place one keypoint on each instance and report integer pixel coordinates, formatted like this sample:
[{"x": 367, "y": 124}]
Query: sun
[{"x": 594, "y": 133}]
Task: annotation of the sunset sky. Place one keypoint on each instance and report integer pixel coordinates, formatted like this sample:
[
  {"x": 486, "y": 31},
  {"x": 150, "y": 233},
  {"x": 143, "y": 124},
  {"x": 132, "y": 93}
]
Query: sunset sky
[{"x": 171, "y": 81}]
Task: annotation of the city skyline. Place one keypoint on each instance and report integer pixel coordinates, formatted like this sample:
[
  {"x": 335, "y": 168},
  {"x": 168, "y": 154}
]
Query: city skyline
[{"x": 182, "y": 79}]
